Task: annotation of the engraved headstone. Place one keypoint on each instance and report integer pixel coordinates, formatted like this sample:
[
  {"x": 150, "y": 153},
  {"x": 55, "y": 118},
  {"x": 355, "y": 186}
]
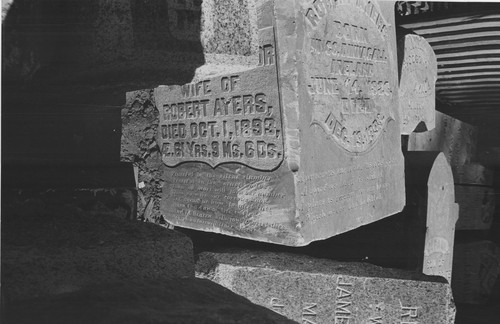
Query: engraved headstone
[
  {"x": 418, "y": 75},
  {"x": 430, "y": 182},
  {"x": 476, "y": 268},
  {"x": 311, "y": 290},
  {"x": 290, "y": 132}
]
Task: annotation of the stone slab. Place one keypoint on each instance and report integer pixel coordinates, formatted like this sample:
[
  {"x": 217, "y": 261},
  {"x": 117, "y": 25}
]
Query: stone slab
[
  {"x": 291, "y": 136},
  {"x": 417, "y": 81},
  {"x": 476, "y": 269},
  {"x": 477, "y": 207},
  {"x": 429, "y": 176},
  {"x": 456, "y": 139},
  {"x": 55, "y": 243},
  {"x": 311, "y": 290},
  {"x": 148, "y": 301}
]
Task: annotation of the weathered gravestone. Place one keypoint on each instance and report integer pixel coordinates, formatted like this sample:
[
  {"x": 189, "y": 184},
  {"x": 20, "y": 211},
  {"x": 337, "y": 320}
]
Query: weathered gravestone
[
  {"x": 417, "y": 80},
  {"x": 291, "y": 133},
  {"x": 311, "y": 290},
  {"x": 476, "y": 268},
  {"x": 430, "y": 186}
]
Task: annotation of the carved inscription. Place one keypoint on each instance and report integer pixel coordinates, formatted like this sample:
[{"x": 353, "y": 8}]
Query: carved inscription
[
  {"x": 338, "y": 191},
  {"x": 309, "y": 313},
  {"x": 231, "y": 118},
  {"x": 409, "y": 315},
  {"x": 417, "y": 84},
  {"x": 343, "y": 302},
  {"x": 234, "y": 201},
  {"x": 276, "y": 305},
  {"x": 348, "y": 71}
]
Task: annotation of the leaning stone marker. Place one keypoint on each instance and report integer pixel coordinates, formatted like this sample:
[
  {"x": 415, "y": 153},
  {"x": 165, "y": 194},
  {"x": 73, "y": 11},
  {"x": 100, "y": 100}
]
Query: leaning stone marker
[
  {"x": 418, "y": 75},
  {"x": 291, "y": 134},
  {"x": 311, "y": 290},
  {"x": 429, "y": 177}
]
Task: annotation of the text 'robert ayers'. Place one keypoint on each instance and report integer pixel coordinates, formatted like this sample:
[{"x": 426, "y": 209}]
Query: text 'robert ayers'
[{"x": 221, "y": 119}]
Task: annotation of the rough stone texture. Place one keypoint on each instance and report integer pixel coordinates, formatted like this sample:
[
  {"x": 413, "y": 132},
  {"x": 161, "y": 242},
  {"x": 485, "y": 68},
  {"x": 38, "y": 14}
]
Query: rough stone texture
[
  {"x": 417, "y": 80},
  {"x": 292, "y": 154},
  {"x": 430, "y": 186},
  {"x": 54, "y": 243},
  {"x": 139, "y": 146},
  {"x": 456, "y": 139},
  {"x": 175, "y": 301},
  {"x": 477, "y": 207},
  {"x": 476, "y": 268},
  {"x": 324, "y": 291}
]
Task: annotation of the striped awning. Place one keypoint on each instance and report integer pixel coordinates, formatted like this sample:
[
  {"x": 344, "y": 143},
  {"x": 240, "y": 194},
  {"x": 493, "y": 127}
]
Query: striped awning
[{"x": 467, "y": 47}]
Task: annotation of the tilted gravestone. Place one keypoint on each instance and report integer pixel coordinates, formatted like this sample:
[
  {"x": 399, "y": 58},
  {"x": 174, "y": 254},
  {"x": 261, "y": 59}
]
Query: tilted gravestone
[
  {"x": 418, "y": 75},
  {"x": 430, "y": 186},
  {"x": 290, "y": 131},
  {"x": 311, "y": 290}
]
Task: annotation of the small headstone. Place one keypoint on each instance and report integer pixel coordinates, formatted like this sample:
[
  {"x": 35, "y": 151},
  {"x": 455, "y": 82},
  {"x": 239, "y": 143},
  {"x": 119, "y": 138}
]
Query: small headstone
[
  {"x": 418, "y": 75},
  {"x": 428, "y": 174},
  {"x": 310, "y": 290},
  {"x": 477, "y": 207},
  {"x": 476, "y": 268},
  {"x": 291, "y": 135}
]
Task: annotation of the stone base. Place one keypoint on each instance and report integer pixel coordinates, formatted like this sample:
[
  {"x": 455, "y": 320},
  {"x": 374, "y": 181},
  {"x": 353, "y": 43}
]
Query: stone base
[{"x": 311, "y": 290}]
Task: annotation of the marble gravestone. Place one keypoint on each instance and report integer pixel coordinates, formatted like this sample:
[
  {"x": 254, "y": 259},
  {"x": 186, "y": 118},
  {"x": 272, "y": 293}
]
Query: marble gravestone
[
  {"x": 430, "y": 186},
  {"x": 290, "y": 132},
  {"x": 418, "y": 75},
  {"x": 309, "y": 290}
]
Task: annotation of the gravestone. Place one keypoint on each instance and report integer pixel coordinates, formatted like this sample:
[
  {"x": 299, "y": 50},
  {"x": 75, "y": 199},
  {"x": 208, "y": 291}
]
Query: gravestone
[
  {"x": 418, "y": 75},
  {"x": 290, "y": 131},
  {"x": 476, "y": 268},
  {"x": 310, "y": 290},
  {"x": 430, "y": 186}
]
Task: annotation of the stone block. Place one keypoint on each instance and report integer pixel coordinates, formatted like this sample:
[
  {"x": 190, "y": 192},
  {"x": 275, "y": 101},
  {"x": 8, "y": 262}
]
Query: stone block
[
  {"x": 309, "y": 290},
  {"x": 476, "y": 268},
  {"x": 290, "y": 132},
  {"x": 174, "y": 301},
  {"x": 52, "y": 245},
  {"x": 417, "y": 81}
]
